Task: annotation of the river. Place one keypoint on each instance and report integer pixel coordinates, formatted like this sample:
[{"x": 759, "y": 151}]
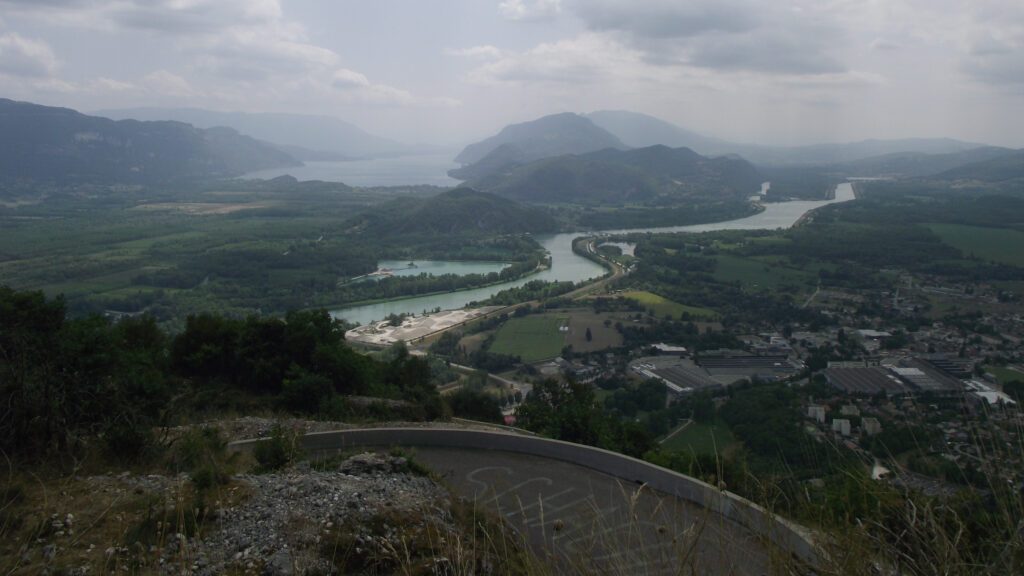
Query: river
[{"x": 566, "y": 265}]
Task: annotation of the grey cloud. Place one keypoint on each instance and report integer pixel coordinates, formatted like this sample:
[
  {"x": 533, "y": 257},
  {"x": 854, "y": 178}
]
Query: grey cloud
[
  {"x": 666, "y": 19},
  {"x": 24, "y": 57},
  {"x": 999, "y": 69},
  {"x": 197, "y": 18},
  {"x": 726, "y": 35},
  {"x": 996, "y": 61},
  {"x": 770, "y": 53},
  {"x": 44, "y": 3}
]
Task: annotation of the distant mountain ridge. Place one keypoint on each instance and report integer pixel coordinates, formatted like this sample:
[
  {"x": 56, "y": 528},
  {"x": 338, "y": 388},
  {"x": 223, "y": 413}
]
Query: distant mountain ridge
[
  {"x": 307, "y": 137},
  {"x": 918, "y": 164},
  {"x": 520, "y": 144},
  {"x": 553, "y": 135},
  {"x": 60, "y": 145},
  {"x": 642, "y": 130}
]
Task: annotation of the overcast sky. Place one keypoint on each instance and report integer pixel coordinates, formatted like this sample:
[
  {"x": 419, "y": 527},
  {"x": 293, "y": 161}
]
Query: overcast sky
[{"x": 452, "y": 71}]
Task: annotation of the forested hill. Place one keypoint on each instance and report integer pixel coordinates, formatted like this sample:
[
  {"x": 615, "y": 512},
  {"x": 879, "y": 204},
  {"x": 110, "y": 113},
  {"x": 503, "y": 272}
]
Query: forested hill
[
  {"x": 1003, "y": 168},
  {"x": 462, "y": 211},
  {"x": 653, "y": 174},
  {"x": 686, "y": 166},
  {"x": 542, "y": 138},
  {"x": 62, "y": 146}
]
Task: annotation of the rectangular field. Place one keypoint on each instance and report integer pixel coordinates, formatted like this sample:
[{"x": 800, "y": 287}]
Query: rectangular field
[
  {"x": 1005, "y": 374},
  {"x": 531, "y": 338},
  {"x": 662, "y": 307},
  {"x": 996, "y": 244},
  {"x": 702, "y": 438},
  {"x": 758, "y": 274}
]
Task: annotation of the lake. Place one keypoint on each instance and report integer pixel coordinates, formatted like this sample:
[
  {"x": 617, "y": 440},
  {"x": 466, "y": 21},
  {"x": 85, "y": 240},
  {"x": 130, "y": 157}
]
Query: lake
[
  {"x": 397, "y": 171},
  {"x": 566, "y": 265}
]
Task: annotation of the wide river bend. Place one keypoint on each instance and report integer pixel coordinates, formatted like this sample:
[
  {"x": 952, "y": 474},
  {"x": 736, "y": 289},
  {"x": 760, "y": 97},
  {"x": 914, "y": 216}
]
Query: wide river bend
[{"x": 567, "y": 265}]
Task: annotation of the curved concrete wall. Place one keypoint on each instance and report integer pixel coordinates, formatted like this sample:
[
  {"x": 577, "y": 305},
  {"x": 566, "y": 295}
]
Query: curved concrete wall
[{"x": 745, "y": 513}]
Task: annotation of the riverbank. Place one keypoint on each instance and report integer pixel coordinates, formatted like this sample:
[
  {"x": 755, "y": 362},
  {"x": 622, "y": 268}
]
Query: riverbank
[
  {"x": 366, "y": 303},
  {"x": 415, "y": 328}
]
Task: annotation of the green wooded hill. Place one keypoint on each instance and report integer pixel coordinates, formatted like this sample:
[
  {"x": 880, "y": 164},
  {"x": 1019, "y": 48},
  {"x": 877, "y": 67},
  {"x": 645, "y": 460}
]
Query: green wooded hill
[
  {"x": 62, "y": 146},
  {"x": 1005, "y": 167},
  {"x": 917, "y": 164},
  {"x": 462, "y": 211},
  {"x": 553, "y": 135},
  {"x": 656, "y": 174}
]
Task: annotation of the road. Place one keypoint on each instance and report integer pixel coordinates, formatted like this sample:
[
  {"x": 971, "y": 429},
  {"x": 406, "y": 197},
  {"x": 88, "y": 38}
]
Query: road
[{"x": 596, "y": 521}]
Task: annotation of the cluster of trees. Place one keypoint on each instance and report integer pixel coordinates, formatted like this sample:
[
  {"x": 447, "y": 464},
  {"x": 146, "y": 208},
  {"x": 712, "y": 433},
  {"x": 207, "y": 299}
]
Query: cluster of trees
[
  {"x": 569, "y": 411},
  {"x": 532, "y": 290},
  {"x": 68, "y": 382}
]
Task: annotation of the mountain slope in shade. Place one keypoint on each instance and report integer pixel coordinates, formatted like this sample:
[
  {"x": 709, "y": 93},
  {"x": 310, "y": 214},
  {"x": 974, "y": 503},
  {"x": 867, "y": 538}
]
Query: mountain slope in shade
[
  {"x": 545, "y": 137},
  {"x": 1001, "y": 169},
  {"x": 307, "y": 137},
  {"x": 652, "y": 175},
  {"x": 59, "y": 145}
]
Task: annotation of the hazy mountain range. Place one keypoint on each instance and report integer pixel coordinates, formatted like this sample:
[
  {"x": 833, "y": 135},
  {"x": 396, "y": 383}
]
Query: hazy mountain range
[
  {"x": 620, "y": 129},
  {"x": 162, "y": 145},
  {"x": 305, "y": 137},
  {"x": 59, "y": 145}
]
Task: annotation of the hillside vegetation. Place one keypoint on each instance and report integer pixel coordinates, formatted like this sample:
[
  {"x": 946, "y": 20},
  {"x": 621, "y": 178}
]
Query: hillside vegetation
[
  {"x": 459, "y": 211},
  {"x": 654, "y": 175}
]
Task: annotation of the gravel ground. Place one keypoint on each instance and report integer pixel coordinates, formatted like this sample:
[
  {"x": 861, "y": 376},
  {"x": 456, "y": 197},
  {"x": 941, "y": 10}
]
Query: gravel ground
[
  {"x": 364, "y": 513},
  {"x": 281, "y": 527}
]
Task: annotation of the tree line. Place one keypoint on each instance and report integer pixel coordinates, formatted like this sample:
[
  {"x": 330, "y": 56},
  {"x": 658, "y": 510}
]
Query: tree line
[{"x": 70, "y": 383}]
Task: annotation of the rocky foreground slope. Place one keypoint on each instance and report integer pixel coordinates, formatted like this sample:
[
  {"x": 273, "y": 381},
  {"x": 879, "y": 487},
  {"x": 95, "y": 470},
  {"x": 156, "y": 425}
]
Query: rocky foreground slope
[{"x": 369, "y": 513}]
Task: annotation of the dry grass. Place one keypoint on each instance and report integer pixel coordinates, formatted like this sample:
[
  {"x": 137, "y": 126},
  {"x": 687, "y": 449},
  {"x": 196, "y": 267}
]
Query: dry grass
[{"x": 98, "y": 524}]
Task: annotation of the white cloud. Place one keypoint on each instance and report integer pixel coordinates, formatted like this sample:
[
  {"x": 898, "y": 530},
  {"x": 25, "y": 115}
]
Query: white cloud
[
  {"x": 21, "y": 56},
  {"x": 529, "y": 11},
  {"x": 228, "y": 50},
  {"x": 167, "y": 83},
  {"x": 486, "y": 52},
  {"x": 104, "y": 84},
  {"x": 344, "y": 78},
  {"x": 581, "y": 60}
]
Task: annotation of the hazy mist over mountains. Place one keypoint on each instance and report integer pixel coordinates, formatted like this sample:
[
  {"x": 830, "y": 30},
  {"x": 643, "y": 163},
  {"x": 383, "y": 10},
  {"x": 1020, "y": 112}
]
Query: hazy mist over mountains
[
  {"x": 156, "y": 145},
  {"x": 457, "y": 72},
  {"x": 306, "y": 137}
]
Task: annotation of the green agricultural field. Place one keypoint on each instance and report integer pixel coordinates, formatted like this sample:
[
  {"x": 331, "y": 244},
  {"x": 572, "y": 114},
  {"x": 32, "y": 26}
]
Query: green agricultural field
[
  {"x": 702, "y": 438},
  {"x": 662, "y": 307},
  {"x": 601, "y": 336},
  {"x": 531, "y": 338},
  {"x": 759, "y": 274},
  {"x": 1005, "y": 374},
  {"x": 997, "y": 244}
]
